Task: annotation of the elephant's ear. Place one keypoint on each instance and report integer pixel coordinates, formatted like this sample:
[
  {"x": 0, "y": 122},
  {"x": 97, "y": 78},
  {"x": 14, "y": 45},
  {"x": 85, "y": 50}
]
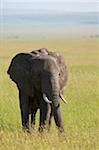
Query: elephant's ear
[{"x": 19, "y": 71}]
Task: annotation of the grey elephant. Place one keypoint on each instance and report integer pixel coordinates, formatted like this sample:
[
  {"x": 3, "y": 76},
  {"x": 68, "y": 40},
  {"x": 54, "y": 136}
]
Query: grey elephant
[{"x": 40, "y": 76}]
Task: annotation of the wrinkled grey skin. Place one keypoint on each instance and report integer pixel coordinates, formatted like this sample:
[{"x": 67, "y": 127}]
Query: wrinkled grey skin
[{"x": 36, "y": 73}]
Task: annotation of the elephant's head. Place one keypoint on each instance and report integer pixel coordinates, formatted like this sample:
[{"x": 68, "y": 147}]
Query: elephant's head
[
  {"x": 45, "y": 74},
  {"x": 60, "y": 62}
]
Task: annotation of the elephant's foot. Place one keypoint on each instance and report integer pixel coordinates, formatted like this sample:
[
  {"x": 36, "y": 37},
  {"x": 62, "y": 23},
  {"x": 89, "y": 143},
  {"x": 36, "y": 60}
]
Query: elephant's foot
[
  {"x": 40, "y": 129},
  {"x": 43, "y": 128},
  {"x": 33, "y": 126},
  {"x": 61, "y": 130},
  {"x": 26, "y": 129}
]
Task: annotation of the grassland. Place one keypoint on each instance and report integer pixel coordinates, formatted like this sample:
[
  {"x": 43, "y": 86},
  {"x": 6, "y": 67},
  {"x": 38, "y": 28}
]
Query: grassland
[{"x": 80, "y": 116}]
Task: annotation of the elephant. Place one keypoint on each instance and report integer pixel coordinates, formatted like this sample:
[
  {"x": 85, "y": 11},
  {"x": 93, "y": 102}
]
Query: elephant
[{"x": 40, "y": 76}]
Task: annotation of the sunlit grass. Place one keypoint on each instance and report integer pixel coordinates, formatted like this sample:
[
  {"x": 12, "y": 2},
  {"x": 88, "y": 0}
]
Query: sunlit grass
[{"x": 80, "y": 116}]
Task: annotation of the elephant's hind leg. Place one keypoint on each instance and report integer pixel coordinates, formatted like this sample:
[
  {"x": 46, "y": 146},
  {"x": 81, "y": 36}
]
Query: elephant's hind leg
[
  {"x": 33, "y": 118},
  {"x": 24, "y": 106}
]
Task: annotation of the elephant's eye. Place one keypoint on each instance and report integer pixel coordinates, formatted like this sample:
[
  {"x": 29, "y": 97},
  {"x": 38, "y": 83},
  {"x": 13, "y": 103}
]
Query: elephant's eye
[{"x": 59, "y": 74}]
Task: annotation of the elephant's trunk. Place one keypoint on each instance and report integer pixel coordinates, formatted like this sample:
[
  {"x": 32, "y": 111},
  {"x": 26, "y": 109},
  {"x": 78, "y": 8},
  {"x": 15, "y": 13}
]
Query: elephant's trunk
[
  {"x": 56, "y": 106},
  {"x": 54, "y": 92},
  {"x": 51, "y": 90}
]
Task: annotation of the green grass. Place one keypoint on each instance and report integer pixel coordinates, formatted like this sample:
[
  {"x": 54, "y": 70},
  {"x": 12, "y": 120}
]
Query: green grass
[{"x": 80, "y": 116}]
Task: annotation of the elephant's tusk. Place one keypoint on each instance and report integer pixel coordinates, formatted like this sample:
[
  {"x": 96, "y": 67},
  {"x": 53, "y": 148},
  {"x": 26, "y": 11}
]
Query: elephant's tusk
[
  {"x": 46, "y": 99},
  {"x": 63, "y": 99}
]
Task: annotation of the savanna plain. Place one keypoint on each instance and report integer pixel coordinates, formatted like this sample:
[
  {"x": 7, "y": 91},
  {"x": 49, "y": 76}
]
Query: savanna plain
[{"x": 80, "y": 115}]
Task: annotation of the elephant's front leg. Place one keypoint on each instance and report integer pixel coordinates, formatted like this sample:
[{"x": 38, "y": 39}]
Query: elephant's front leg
[
  {"x": 24, "y": 106},
  {"x": 45, "y": 110}
]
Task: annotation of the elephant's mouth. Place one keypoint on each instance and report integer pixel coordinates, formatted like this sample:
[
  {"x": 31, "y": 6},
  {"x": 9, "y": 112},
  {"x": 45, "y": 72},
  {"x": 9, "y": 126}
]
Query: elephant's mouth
[
  {"x": 63, "y": 99},
  {"x": 48, "y": 101}
]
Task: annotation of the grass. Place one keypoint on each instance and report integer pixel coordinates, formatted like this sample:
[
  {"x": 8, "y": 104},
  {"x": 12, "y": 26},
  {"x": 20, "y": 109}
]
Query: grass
[{"x": 80, "y": 116}]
